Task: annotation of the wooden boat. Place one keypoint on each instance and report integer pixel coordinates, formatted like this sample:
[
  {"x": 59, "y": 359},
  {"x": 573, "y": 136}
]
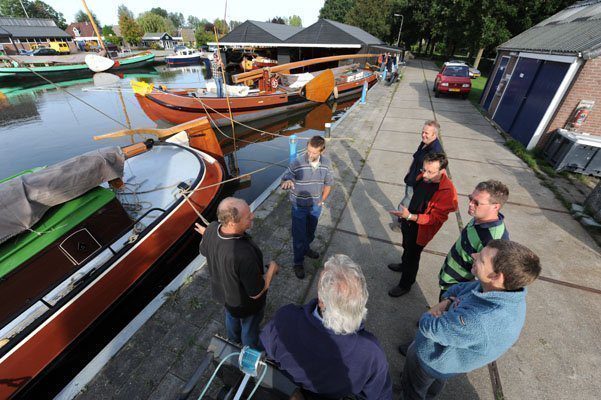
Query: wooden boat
[
  {"x": 181, "y": 105},
  {"x": 98, "y": 243},
  {"x": 184, "y": 56},
  {"x": 32, "y": 66},
  {"x": 257, "y": 62}
]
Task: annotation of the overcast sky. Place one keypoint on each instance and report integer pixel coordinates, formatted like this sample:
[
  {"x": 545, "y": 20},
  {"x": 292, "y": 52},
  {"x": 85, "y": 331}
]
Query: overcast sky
[{"x": 239, "y": 10}]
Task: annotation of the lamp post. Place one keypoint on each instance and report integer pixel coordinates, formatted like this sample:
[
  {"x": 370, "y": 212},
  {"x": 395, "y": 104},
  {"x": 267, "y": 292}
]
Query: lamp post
[{"x": 400, "y": 29}]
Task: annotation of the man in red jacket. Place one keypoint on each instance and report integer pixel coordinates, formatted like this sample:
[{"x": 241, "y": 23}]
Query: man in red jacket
[{"x": 434, "y": 197}]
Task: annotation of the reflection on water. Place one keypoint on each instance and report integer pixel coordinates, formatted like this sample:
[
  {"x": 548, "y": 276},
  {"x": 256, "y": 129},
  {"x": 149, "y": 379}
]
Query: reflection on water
[{"x": 41, "y": 125}]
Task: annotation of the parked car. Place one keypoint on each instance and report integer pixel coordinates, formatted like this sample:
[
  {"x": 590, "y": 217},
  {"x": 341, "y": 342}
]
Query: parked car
[
  {"x": 453, "y": 78},
  {"x": 23, "y": 52},
  {"x": 474, "y": 72},
  {"x": 45, "y": 51}
]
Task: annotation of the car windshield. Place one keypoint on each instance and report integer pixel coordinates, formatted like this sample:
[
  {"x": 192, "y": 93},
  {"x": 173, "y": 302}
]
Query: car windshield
[{"x": 456, "y": 70}]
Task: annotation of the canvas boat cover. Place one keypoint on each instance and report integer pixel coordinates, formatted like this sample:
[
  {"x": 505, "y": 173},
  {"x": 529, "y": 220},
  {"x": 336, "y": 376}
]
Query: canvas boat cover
[{"x": 25, "y": 199}]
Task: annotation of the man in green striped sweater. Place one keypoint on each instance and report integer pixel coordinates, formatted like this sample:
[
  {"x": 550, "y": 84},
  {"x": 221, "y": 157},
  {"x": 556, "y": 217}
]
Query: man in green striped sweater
[{"x": 487, "y": 224}]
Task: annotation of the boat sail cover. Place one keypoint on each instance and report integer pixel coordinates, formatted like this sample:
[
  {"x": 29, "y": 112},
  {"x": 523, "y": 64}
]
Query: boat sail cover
[{"x": 24, "y": 199}]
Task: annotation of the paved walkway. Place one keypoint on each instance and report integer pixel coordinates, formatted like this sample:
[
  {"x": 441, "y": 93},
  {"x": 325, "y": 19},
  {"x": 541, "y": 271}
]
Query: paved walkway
[{"x": 558, "y": 354}]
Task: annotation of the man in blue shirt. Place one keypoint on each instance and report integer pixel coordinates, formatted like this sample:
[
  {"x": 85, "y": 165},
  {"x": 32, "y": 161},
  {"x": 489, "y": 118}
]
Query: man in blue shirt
[
  {"x": 309, "y": 179},
  {"x": 322, "y": 346},
  {"x": 475, "y": 323}
]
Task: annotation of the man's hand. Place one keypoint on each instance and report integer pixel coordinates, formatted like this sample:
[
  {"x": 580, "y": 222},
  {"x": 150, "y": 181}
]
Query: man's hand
[
  {"x": 199, "y": 228},
  {"x": 403, "y": 212},
  {"x": 440, "y": 308},
  {"x": 274, "y": 266},
  {"x": 287, "y": 185}
]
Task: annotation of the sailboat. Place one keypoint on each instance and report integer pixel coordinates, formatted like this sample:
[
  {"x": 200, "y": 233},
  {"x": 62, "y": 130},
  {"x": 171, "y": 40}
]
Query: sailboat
[
  {"x": 76, "y": 236},
  {"x": 278, "y": 92}
]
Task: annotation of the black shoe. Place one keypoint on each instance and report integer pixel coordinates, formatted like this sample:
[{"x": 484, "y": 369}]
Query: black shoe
[
  {"x": 396, "y": 267},
  {"x": 312, "y": 254},
  {"x": 398, "y": 291},
  {"x": 403, "y": 348},
  {"x": 299, "y": 271}
]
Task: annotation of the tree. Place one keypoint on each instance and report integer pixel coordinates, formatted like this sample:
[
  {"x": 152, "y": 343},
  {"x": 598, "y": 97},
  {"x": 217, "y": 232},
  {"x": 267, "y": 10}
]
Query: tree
[
  {"x": 195, "y": 22},
  {"x": 151, "y": 22},
  {"x": 177, "y": 19},
  {"x": 160, "y": 11},
  {"x": 233, "y": 24},
  {"x": 222, "y": 26},
  {"x": 107, "y": 30},
  {"x": 336, "y": 10},
  {"x": 372, "y": 16},
  {"x": 81, "y": 16},
  {"x": 278, "y": 20},
  {"x": 295, "y": 20},
  {"x": 130, "y": 30},
  {"x": 203, "y": 37},
  {"x": 35, "y": 9}
]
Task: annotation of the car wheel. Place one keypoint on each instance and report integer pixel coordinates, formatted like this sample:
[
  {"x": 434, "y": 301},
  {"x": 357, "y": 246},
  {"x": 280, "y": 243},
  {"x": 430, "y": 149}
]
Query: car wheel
[
  {"x": 434, "y": 87},
  {"x": 436, "y": 93},
  {"x": 464, "y": 96}
]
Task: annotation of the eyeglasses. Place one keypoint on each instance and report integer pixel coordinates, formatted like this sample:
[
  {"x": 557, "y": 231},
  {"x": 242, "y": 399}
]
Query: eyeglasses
[{"x": 477, "y": 203}]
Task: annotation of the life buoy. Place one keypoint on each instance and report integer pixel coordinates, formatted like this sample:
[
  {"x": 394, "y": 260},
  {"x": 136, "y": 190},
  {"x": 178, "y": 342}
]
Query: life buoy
[{"x": 274, "y": 82}]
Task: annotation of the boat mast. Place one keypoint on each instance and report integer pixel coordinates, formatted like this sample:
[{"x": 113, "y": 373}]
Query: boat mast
[{"x": 85, "y": 6}]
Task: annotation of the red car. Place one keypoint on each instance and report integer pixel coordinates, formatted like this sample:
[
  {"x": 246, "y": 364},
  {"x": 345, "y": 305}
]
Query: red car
[{"x": 453, "y": 78}]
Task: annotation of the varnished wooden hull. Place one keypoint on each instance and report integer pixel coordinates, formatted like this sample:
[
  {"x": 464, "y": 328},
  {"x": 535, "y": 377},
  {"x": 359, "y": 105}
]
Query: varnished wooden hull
[{"x": 37, "y": 347}]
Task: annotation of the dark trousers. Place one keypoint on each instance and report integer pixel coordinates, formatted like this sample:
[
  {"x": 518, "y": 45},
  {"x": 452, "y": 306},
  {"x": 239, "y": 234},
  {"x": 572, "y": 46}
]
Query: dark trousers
[
  {"x": 304, "y": 224},
  {"x": 411, "y": 254},
  {"x": 244, "y": 330},
  {"x": 415, "y": 382}
]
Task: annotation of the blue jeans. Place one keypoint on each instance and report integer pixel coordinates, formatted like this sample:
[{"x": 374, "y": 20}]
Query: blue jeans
[
  {"x": 415, "y": 382},
  {"x": 244, "y": 330},
  {"x": 219, "y": 84},
  {"x": 304, "y": 224}
]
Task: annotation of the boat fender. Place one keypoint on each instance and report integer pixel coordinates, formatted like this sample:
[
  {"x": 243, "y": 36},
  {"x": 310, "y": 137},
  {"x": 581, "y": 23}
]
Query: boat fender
[
  {"x": 116, "y": 64},
  {"x": 274, "y": 82},
  {"x": 335, "y": 92}
]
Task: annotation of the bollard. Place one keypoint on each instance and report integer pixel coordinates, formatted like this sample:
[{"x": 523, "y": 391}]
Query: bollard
[
  {"x": 327, "y": 129},
  {"x": 364, "y": 92},
  {"x": 293, "y": 142}
]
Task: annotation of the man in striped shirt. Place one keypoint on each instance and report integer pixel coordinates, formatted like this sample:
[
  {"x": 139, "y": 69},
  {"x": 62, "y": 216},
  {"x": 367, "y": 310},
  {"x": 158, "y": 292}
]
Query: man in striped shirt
[
  {"x": 309, "y": 179},
  {"x": 487, "y": 224}
]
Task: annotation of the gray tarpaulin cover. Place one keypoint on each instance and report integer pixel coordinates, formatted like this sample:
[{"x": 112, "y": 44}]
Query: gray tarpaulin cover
[{"x": 25, "y": 199}]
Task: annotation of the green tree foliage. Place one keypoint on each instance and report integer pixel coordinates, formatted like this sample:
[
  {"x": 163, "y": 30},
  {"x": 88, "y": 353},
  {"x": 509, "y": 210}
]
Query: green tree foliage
[
  {"x": 372, "y": 16},
  {"x": 151, "y": 22},
  {"x": 177, "y": 19},
  {"x": 35, "y": 9},
  {"x": 107, "y": 30},
  {"x": 203, "y": 37},
  {"x": 195, "y": 22},
  {"x": 278, "y": 20},
  {"x": 233, "y": 24},
  {"x": 336, "y": 10},
  {"x": 160, "y": 11},
  {"x": 130, "y": 30},
  {"x": 222, "y": 26},
  {"x": 295, "y": 20},
  {"x": 81, "y": 16}
]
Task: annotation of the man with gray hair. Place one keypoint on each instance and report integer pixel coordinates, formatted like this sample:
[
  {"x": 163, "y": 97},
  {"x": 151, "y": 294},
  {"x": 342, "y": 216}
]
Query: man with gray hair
[
  {"x": 236, "y": 269},
  {"x": 322, "y": 346}
]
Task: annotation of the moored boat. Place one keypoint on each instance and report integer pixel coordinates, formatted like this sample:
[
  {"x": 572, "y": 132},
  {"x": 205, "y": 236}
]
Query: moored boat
[
  {"x": 184, "y": 56},
  {"x": 33, "y": 66},
  {"x": 276, "y": 94},
  {"x": 74, "y": 237}
]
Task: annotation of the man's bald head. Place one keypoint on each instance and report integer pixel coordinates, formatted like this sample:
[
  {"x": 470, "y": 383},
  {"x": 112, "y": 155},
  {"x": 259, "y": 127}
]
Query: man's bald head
[{"x": 230, "y": 210}]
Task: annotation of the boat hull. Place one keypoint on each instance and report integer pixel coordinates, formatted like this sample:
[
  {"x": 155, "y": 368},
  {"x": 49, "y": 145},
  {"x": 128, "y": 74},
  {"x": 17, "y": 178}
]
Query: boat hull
[
  {"x": 32, "y": 354},
  {"x": 183, "y": 60}
]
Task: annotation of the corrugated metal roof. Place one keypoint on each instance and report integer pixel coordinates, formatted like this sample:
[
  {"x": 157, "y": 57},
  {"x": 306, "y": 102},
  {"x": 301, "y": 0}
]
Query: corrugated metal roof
[
  {"x": 280, "y": 31},
  {"x": 574, "y": 30},
  {"x": 358, "y": 33},
  {"x": 31, "y": 28}
]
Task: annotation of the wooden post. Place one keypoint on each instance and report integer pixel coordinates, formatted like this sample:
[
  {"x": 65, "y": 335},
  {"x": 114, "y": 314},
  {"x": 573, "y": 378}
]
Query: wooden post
[
  {"x": 478, "y": 57},
  {"x": 85, "y": 6}
]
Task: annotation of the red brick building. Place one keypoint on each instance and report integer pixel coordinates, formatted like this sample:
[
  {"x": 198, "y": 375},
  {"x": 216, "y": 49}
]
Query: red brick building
[
  {"x": 30, "y": 33},
  {"x": 542, "y": 75}
]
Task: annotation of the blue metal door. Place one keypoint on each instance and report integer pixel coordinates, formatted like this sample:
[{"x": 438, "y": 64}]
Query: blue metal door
[
  {"x": 515, "y": 93},
  {"x": 547, "y": 81},
  {"x": 495, "y": 82}
]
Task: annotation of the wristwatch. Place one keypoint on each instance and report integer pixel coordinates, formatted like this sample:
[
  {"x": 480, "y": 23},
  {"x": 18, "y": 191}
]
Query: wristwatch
[{"x": 408, "y": 217}]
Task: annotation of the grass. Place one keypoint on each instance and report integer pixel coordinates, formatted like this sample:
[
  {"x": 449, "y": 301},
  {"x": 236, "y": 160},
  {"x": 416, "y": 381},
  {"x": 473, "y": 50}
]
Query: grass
[{"x": 477, "y": 88}]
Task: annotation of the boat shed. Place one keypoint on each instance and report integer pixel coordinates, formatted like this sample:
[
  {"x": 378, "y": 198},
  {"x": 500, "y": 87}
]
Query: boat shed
[
  {"x": 161, "y": 40},
  {"x": 548, "y": 77},
  {"x": 288, "y": 43},
  {"x": 30, "y": 33}
]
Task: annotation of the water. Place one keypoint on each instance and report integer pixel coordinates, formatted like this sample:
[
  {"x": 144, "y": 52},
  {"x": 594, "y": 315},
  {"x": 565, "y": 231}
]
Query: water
[{"x": 41, "y": 125}]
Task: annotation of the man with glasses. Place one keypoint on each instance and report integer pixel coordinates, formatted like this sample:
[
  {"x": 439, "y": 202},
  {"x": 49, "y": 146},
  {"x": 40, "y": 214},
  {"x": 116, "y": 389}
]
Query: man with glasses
[
  {"x": 487, "y": 224},
  {"x": 433, "y": 199},
  {"x": 429, "y": 144}
]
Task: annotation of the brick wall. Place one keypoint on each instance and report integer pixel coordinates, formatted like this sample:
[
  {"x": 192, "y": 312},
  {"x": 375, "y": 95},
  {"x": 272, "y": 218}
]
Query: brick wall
[{"x": 586, "y": 86}]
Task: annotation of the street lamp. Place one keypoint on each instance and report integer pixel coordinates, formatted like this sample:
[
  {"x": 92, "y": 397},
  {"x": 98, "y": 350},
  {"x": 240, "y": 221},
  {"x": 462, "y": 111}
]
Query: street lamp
[{"x": 400, "y": 29}]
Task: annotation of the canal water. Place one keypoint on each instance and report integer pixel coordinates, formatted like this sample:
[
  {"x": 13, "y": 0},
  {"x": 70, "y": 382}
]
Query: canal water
[{"x": 41, "y": 125}]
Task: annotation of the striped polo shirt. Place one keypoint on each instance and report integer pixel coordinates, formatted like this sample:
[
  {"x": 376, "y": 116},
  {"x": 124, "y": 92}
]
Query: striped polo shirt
[
  {"x": 308, "y": 180},
  {"x": 474, "y": 237}
]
